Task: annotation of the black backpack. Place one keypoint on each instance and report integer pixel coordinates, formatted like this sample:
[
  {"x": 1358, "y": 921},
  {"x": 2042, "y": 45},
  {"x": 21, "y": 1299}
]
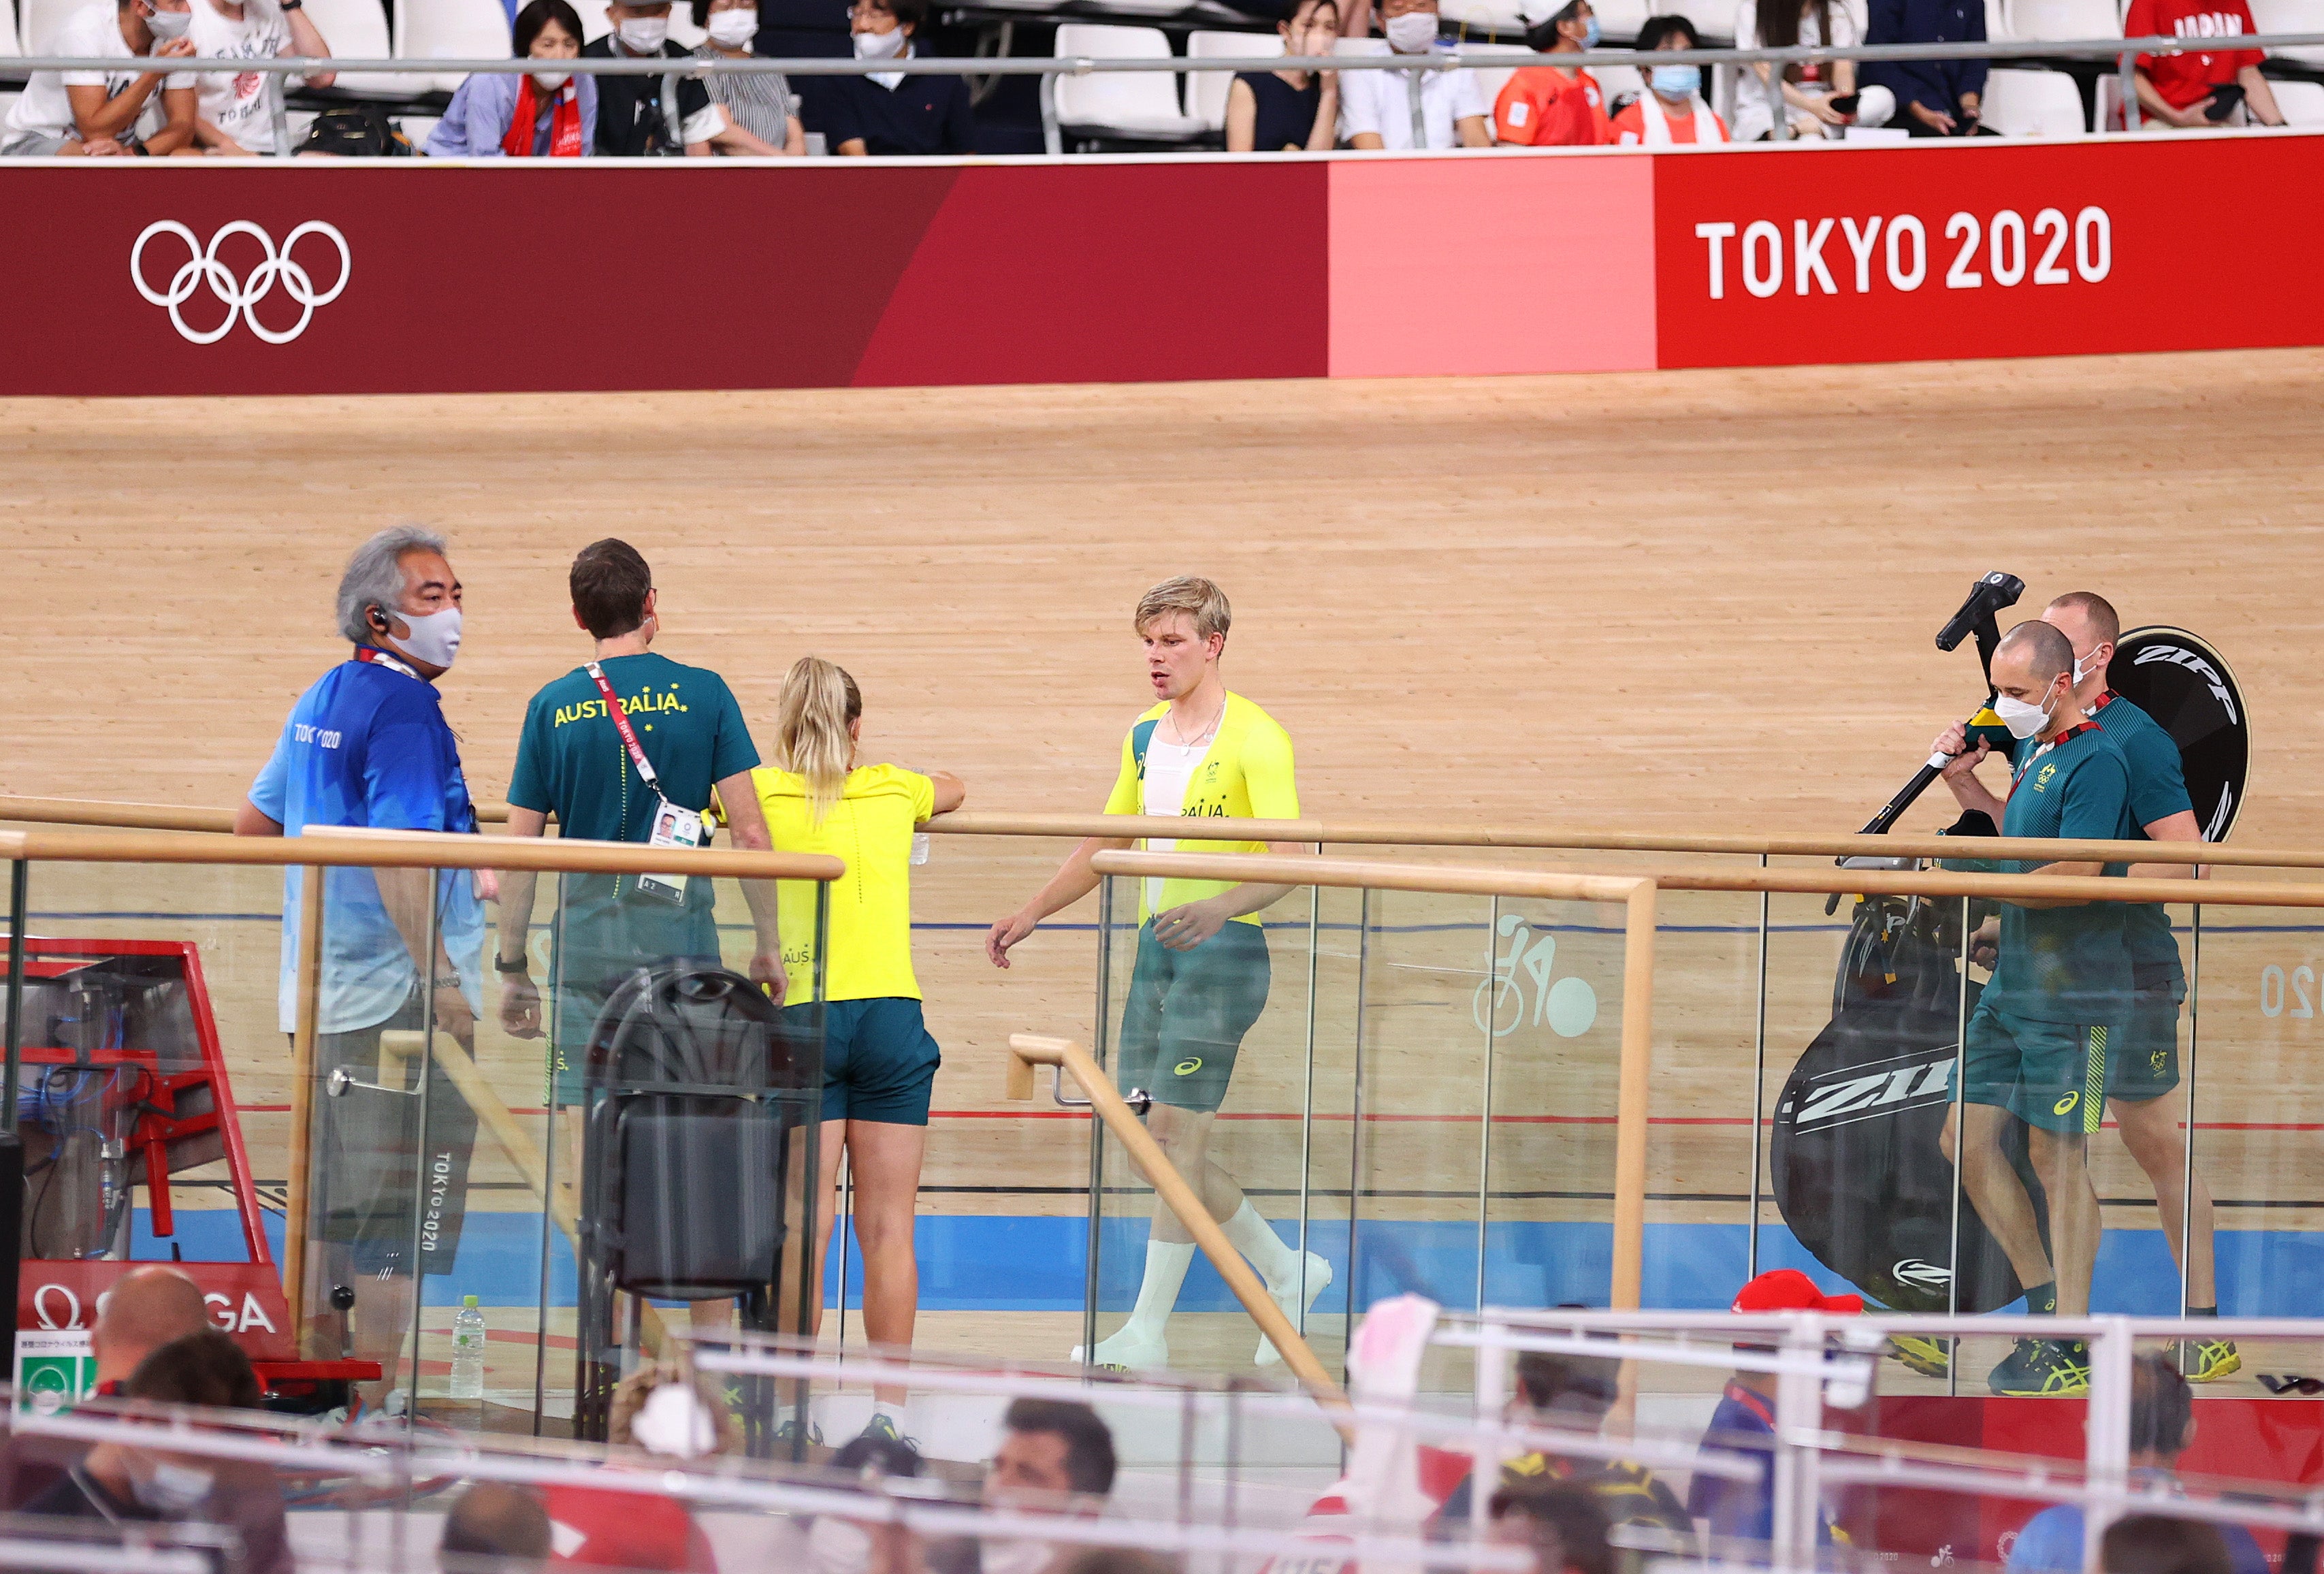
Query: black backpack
[{"x": 357, "y": 130}]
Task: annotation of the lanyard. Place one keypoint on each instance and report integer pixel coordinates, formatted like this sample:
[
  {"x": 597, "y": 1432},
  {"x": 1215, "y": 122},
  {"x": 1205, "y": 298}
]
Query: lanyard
[
  {"x": 621, "y": 725},
  {"x": 379, "y": 658}
]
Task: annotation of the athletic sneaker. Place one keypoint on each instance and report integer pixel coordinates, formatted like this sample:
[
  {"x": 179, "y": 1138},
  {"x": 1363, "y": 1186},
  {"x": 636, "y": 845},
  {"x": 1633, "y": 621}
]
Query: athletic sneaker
[
  {"x": 1125, "y": 1351},
  {"x": 2205, "y": 1360},
  {"x": 790, "y": 1431},
  {"x": 883, "y": 1426},
  {"x": 1931, "y": 1357},
  {"x": 2043, "y": 1369},
  {"x": 1319, "y": 1278}
]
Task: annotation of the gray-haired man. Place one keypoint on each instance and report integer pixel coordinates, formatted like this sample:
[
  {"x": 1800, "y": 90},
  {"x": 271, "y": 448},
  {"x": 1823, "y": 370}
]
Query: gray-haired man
[{"x": 367, "y": 746}]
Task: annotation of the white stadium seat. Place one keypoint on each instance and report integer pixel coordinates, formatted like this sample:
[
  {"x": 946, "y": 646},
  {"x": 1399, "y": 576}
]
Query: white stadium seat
[
  {"x": 8, "y": 30},
  {"x": 37, "y": 24},
  {"x": 2292, "y": 16},
  {"x": 682, "y": 31},
  {"x": 1140, "y": 104},
  {"x": 1491, "y": 79},
  {"x": 594, "y": 25},
  {"x": 1206, "y": 91},
  {"x": 1618, "y": 20},
  {"x": 451, "y": 29},
  {"x": 2302, "y": 103},
  {"x": 1499, "y": 15},
  {"x": 357, "y": 30},
  {"x": 1614, "y": 81},
  {"x": 2061, "y": 21},
  {"x": 2021, "y": 103}
]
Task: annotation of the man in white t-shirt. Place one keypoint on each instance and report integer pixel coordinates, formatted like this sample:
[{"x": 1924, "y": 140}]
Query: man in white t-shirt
[
  {"x": 1418, "y": 108},
  {"x": 236, "y": 107},
  {"x": 131, "y": 110}
]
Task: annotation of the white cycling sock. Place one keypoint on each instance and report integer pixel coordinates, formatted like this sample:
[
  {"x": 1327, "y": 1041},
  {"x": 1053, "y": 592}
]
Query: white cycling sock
[
  {"x": 1256, "y": 1239},
  {"x": 1167, "y": 1263}
]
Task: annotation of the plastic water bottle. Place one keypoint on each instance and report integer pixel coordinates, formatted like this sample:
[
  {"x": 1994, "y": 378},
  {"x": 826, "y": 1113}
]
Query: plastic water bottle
[{"x": 468, "y": 1351}]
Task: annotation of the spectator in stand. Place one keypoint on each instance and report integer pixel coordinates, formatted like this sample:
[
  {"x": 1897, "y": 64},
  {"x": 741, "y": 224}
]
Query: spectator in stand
[
  {"x": 1562, "y": 1524},
  {"x": 1744, "y": 1422},
  {"x": 146, "y": 1309},
  {"x": 1671, "y": 109},
  {"x": 1816, "y": 94},
  {"x": 1410, "y": 109},
  {"x": 1289, "y": 111},
  {"x": 1549, "y": 105},
  {"x": 2199, "y": 88},
  {"x": 235, "y": 111},
  {"x": 630, "y": 120},
  {"x": 664, "y": 1412},
  {"x": 1055, "y": 1457},
  {"x": 544, "y": 115},
  {"x": 1939, "y": 98},
  {"x": 2162, "y": 1425},
  {"x": 495, "y": 1519},
  {"x": 889, "y": 113},
  {"x": 144, "y": 112},
  {"x": 763, "y": 106}
]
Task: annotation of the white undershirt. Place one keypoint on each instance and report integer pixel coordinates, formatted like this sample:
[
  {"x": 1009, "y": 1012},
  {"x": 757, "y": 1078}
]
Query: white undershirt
[{"x": 1168, "y": 768}]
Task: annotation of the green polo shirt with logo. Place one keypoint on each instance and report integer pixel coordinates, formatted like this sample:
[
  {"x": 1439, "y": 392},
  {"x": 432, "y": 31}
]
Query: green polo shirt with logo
[
  {"x": 2065, "y": 964},
  {"x": 2158, "y": 789}
]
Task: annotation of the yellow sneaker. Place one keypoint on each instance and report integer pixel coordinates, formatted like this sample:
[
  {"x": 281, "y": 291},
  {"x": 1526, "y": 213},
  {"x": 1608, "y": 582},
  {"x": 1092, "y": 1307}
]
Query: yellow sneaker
[
  {"x": 2205, "y": 1360},
  {"x": 1931, "y": 1357}
]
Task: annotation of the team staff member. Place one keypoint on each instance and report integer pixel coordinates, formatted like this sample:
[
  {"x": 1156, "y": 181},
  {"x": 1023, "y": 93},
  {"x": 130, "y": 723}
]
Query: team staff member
[
  {"x": 1202, "y": 973},
  {"x": 2200, "y": 86},
  {"x": 367, "y": 745},
  {"x": 576, "y": 760},
  {"x": 879, "y": 1060},
  {"x": 2038, "y": 1045},
  {"x": 1547, "y": 107},
  {"x": 2143, "y": 1068}
]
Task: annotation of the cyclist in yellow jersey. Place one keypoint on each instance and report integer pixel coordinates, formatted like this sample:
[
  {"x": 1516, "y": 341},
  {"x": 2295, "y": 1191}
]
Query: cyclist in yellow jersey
[
  {"x": 1200, "y": 978},
  {"x": 878, "y": 1061}
]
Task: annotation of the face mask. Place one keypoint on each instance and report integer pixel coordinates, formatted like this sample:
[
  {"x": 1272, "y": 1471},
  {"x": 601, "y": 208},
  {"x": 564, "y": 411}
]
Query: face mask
[
  {"x": 173, "y": 1488},
  {"x": 166, "y": 25},
  {"x": 552, "y": 84},
  {"x": 1015, "y": 1556},
  {"x": 2022, "y": 719},
  {"x": 833, "y": 1546},
  {"x": 435, "y": 638},
  {"x": 2085, "y": 665},
  {"x": 1590, "y": 33},
  {"x": 643, "y": 35},
  {"x": 1413, "y": 32},
  {"x": 1678, "y": 81},
  {"x": 733, "y": 28},
  {"x": 672, "y": 1423},
  {"x": 879, "y": 46}
]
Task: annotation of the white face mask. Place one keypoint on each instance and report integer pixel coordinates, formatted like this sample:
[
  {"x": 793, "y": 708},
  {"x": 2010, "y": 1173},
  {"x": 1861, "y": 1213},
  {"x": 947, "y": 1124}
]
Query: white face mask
[
  {"x": 552, "y": 84},
  {"x": 1013, "y": 1556},
  {"x": 2085, "y": 665},
  {"x": 173, "y": 1488},
  {"x": 835, "y": 1546},
  {"x": 166, "y": 25},
  {"x": 643, "y": 35},
  {"x": 434, "y": 638},
  {"x": 2022, "y": 719},
  {"x": 1412, "y": 33},
  {"x": 733, "y": 28},
  {"x": 672, "y": 1423},
  {"x": 880, "y": 46}
]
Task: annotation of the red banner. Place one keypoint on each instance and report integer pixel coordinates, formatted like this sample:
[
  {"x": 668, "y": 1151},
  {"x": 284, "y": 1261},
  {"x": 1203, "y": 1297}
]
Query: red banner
[{"x": 246, "y": 1300}]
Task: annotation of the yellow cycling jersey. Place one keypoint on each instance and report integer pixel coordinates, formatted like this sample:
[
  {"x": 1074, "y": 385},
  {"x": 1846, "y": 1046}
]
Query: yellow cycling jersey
[
  {"x": 870, "y": 828},
  {"x": 1245, "y": 773}
]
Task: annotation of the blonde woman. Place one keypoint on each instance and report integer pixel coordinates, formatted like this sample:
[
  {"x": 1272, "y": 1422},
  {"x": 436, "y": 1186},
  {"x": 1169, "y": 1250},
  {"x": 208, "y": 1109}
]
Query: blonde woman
[{"x": 879, "y": 1060}]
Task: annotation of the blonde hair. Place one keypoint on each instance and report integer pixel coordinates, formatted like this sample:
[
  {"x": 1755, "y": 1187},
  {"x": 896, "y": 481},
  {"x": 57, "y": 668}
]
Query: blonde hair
[
  {"x": 818, "y": 702},
  {"x": 1191, "y": 594}
]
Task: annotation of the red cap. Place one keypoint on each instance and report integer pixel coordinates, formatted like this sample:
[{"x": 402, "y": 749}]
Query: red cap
[{"x": 1789, "y": 1289}]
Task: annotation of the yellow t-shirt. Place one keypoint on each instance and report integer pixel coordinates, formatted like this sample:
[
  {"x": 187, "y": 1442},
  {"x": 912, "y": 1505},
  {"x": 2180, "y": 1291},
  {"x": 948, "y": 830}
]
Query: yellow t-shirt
[
  {"x": 869, "y": 828},
  {"x": 1245, "y": 773}
]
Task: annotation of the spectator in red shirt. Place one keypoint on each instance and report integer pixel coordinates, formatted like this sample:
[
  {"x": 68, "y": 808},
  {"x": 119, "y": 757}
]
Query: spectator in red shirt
[
  {"x": 1671, "y": 109},
  {"x": 1550, "y": 107},
  {"x": 2199, "y": 88}
]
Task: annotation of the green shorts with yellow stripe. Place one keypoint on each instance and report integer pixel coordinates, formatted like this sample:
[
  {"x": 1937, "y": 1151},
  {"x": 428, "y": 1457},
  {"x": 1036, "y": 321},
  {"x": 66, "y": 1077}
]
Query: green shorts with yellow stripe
[{"x": 2050, "y": 1074}]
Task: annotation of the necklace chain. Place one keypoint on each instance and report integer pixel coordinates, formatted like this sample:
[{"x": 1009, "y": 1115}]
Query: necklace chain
[{"x": 1187, "y": 743}]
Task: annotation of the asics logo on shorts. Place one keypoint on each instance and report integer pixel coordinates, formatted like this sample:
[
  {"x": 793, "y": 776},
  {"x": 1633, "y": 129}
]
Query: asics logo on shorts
[
  {"x": 202, "y": 267},
  {"x": 2066, "y": 1104},
  {"x": 1188, "y": 1068}
]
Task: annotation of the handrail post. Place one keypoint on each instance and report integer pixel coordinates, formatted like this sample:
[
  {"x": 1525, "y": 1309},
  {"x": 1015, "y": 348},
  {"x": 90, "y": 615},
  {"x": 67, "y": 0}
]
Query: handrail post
[
  {"x": 302, "y": 1101},
  {"x": 2127, "y": 65},
  {"x": 1630, "y": 1117}
]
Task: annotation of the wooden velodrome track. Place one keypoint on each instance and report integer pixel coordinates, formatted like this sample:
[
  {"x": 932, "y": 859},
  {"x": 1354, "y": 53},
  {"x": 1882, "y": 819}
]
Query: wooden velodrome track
[{"x": 1678, "y": 601}]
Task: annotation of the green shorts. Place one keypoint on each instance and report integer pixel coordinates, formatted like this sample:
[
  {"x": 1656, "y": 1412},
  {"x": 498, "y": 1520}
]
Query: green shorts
[
  {"x": 2144, "y": 1064},
  {"x": 2050, "y": 1074},
  {"x": 1188, "y": 1011}
]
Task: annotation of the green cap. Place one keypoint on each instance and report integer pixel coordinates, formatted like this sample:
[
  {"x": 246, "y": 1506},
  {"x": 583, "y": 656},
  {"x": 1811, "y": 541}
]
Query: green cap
[{"x": 467, "y": 1300}]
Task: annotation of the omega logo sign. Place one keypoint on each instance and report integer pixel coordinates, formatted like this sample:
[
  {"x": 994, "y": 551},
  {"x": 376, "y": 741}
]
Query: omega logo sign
[{"x": 241, "y": 296}]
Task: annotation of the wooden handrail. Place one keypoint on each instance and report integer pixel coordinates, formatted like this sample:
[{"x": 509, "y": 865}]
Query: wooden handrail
[
  {"x": 1361, "y": 833},
  {"x": 346, "y": 847}
]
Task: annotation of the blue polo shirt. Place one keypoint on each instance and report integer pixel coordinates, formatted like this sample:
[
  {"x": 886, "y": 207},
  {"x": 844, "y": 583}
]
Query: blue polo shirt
[
  {"x": 2052, "y": 1541},
  {"x": 368, "y": 745}
]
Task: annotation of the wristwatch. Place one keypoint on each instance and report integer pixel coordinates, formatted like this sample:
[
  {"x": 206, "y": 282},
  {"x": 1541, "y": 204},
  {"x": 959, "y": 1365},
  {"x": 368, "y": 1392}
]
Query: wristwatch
[
  {"x": 448, "y": 981},
  {"x": 503, "y": 965}
]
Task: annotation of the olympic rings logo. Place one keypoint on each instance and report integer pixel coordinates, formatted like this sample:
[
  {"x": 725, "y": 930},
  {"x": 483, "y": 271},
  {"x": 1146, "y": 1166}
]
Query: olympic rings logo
[{"x": 241, "y": 297}]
